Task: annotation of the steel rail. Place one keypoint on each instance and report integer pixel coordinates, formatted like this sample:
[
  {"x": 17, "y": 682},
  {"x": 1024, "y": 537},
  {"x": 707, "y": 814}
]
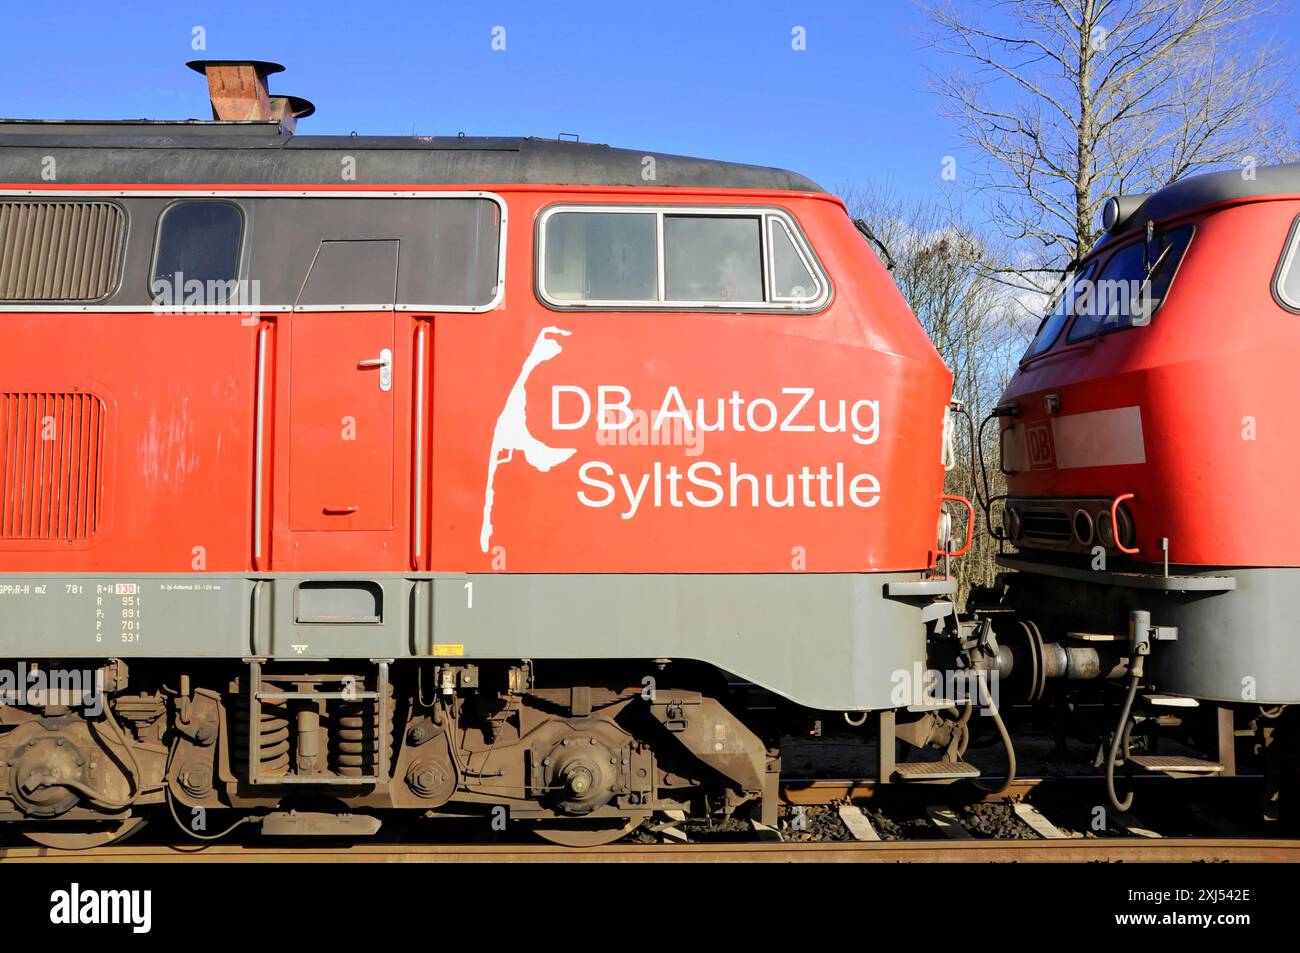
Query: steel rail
[
  {"x": 826, "y": 791},
  {"x": 1081, "y": 850}
]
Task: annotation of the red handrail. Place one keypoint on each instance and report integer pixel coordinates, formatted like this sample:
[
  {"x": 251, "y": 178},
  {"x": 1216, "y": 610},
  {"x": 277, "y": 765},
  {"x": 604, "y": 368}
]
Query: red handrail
[
  {"x": 970, "y": 521},
  {"x": 1114, "y": 523}
]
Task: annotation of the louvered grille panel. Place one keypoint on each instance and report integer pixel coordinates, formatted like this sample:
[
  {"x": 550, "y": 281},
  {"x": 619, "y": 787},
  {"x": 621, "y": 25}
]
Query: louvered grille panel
[
  {"x": 59, "y": 251},
  {"x": 51, "y": 452}
]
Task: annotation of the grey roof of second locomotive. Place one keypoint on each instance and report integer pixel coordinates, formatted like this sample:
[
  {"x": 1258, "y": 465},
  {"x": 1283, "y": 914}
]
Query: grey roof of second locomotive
[
  {"x": 165, "y": 152},
  {"x": 1211, "y": 188}
]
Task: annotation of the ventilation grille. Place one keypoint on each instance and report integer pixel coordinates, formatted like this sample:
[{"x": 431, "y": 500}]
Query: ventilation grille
[
  {"x": 51, "y": 448},
  {"x": 1045, "y": 526},
  {"x": 59, "y": 251}
]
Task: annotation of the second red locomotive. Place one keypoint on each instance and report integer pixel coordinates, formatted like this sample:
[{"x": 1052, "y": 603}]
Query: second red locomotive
[{"x": 1144, "y": 439}]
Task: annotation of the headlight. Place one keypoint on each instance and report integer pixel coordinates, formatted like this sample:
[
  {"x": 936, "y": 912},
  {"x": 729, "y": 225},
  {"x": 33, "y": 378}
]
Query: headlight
[
  {"x": 1081, "y": 523},
  {"x": 1118, "y": 209},
  {"x": 1011, "y": 522},
  {"x": 1105, "y": 535},
  {"x": 1110, "y": 213}
]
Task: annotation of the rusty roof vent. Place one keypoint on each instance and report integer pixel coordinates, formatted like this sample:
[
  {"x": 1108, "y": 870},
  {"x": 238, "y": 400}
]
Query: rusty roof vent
[{"x": 237, "y": 89}]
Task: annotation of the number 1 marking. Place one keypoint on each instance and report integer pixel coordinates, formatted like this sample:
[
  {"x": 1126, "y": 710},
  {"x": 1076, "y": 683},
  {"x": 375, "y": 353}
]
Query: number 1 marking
[{"x": 469, "y": 595}]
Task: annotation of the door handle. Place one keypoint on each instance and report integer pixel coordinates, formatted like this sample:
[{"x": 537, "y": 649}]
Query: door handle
[
  {"x": 338, "y": 510},
  {"x": 385, "y": 364}
]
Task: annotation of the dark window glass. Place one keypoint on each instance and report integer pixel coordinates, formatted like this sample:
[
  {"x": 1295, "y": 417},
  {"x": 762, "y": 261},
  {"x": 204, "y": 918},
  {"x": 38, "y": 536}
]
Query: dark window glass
[
  {"x": 791, "y": 279},
  {"x": 602, "y": 256},
  {"x": 197, "y": 257},
  {"x": 464, "y": 267},
  {"x": 713, "y": 258},
  {"x": 1123, "y": 294},
  {"x": 1050, "y": 328}
]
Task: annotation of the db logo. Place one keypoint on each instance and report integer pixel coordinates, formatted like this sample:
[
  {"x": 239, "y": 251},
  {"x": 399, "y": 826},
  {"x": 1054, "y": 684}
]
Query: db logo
[{"x": 1039, "y": 438}]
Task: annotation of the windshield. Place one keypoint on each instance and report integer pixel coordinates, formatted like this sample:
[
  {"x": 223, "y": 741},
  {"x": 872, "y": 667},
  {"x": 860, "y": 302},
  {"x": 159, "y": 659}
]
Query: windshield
[
  {"x": 1123, "y": 295},
  {"x": 1050, "y": 328}
]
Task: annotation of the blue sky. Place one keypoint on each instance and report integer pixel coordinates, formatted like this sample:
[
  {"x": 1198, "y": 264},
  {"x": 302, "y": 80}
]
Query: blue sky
[{"x": 710, "y": 79}]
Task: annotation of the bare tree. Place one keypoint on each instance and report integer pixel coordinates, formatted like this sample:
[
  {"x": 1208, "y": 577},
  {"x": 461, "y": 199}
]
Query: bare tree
[
  {"x": 1069, "y": 101},
  {"x": 942, "y": 266}
]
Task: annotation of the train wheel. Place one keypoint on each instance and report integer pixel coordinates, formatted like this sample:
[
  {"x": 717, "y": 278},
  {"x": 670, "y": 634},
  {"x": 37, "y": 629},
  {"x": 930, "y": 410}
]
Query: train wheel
[
  {"x": 98, "y": 834},
  {"x": 586, "y": 832}
]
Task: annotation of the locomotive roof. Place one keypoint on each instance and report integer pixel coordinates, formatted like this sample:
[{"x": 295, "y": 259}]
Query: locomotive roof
[
  {"x": 167, "y": 152},
  {"x": 1211, "y": 188}
]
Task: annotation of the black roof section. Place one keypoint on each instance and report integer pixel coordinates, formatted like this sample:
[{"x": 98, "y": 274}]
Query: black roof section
[
  {"x": 1198, "y": 191},
  {"x": 194, "y": 151}
]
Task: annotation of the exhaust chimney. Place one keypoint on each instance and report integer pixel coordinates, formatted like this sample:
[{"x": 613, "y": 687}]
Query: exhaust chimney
[
  {"x": 287, "y": 110},
  {"x": 237, "y": 89}
]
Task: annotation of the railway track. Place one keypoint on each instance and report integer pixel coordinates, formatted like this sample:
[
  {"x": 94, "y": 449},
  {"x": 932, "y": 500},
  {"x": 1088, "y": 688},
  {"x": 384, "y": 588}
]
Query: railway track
[
  {"x": 1128, "y": 850},
  {"x": 821, "y": 791},
  {"x": 825, "y": 820}
]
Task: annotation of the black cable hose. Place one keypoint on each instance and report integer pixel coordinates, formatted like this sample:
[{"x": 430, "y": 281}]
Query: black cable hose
[
  {"x": 130, "y": 771},
  {"x": 1115, "y": 742},
  {"x": 1006, "y": 741},
  {"x": 986, "y": 503},
  {"x": 979, "y": 473},
  {"x": 171, "y": 806}
]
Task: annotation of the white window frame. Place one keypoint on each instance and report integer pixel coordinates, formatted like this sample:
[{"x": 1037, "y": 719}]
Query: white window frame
[
  {"x": 768, "y": 216},
  {"x": 1290, "y": 254},
  {"x": 96, "y": 193},
  {"x": 769, "y": 257}
]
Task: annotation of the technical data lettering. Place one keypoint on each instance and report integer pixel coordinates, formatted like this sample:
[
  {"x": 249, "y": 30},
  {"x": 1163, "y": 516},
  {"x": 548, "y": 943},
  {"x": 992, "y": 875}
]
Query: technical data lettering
[
  {"x": 22, "y": 589},
  {"x": 118, "y": 612}
]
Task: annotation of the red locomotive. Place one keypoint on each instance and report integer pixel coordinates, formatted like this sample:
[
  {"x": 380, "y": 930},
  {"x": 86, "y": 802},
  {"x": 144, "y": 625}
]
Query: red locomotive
[
  {"x": 1143, "y": 438},
  {"x": 441, "y": 474},
  {"x": 345, "y": 475}
]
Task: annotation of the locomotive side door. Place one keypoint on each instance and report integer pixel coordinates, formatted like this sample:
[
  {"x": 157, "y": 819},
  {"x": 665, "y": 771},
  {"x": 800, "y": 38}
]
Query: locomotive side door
[{"x": 345, "y": 385}]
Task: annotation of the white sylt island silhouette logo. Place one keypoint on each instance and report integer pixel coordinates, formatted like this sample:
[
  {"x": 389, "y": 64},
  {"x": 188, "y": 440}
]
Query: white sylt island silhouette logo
[{"x": 512, "y": 434}]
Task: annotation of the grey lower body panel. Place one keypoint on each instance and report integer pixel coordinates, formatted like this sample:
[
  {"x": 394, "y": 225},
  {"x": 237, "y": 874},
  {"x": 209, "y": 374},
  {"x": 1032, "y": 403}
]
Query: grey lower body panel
[
  {"x": 825, "y": 640},
  {"x": 1242, "y": 645},
  {"x": 1238, "y": 644}
]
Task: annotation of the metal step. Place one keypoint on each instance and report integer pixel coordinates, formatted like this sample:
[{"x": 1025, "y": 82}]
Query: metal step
[
  {"x": 1172, "y": 701},
  {"x": 1175, "y": 765},
  {"x": 935, "y": 771},
  {"x": 1096, "y": 636}
]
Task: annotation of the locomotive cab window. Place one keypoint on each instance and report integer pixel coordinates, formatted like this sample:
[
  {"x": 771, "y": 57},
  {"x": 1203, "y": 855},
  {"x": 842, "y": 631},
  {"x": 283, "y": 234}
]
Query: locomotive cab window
[
  {"x": 196, "y": 255},
  {"x": 1131, "y": 285},
  {"x": 713, "y": 258},
  {"x": 1287, "y": 283},
  {"x": 793, "y": 278},
  {"x": 633, "y": 257},
  {"x": 1050, "y": 327},
  {"x": 601, "y": 256}
]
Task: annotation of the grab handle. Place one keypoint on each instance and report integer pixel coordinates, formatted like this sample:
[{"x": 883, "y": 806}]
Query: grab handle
[
  {"x": 970, "y": 521},
  {"x": 1114, "y": 523}
]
